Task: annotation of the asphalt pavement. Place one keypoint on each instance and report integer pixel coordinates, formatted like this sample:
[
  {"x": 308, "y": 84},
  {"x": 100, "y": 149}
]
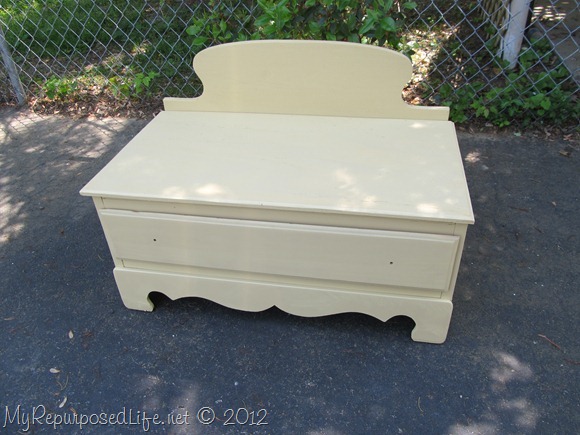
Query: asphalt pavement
[{"x": 73, "y": 357}]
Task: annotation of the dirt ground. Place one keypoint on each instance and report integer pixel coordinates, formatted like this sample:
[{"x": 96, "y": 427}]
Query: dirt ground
[{"x": 70, "y": 349}]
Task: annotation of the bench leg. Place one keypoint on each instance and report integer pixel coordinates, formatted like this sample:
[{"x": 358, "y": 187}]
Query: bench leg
[
  {"x": 432, "y": 324},
  {"x": 133, "y": 290}
]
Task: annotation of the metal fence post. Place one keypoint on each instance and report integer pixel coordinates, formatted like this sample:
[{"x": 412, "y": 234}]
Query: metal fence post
[
  {"x": 511, "y": 41},
  {"x": 11, "y": 69}
]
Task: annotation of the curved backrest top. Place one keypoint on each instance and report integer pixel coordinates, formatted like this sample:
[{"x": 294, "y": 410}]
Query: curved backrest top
[{"x": 304, "y": 78}]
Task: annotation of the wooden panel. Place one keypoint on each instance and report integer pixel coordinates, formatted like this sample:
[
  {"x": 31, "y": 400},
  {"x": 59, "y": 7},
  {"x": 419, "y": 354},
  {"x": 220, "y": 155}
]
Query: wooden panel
[
  {"x": 361, "y": 166},
  {"x": 293, "y": 281},
  {"x": 284, "y": 216},
  {"x": 304, "y": 78},
  {"x": 431, "y": 316},
  {"x": 372, "y": 256}
]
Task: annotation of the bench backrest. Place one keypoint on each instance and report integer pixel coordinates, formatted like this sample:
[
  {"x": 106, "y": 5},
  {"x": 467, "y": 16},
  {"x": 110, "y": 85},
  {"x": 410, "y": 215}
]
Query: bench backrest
[{"x": 304, "y": 78}]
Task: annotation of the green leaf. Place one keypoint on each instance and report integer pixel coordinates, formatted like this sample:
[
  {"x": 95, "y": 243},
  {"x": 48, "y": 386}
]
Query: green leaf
[
  {"x": 343, "y": 4},
  {"x": 445, "y": 90},
  {"x": 200, "y": 40},
  {"x": 389, "y": 24},
  {"x": 353, "y": 37},
  {"x": 368, "y": 24},
  {"x": 409, "y": 5},
  {"x": 263, "y": 21},
  {"x": 269, "y": 31},
  {"x": 537, "y": 99},
  {"x": 192, "y": 30},
  {"x": 314, "y": 27},
  {"x": 546, "y": 104}
]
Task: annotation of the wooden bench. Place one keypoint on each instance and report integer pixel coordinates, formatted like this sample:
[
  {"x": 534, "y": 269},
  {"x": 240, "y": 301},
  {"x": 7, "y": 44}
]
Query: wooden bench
[{"x": 298, "y": 179}]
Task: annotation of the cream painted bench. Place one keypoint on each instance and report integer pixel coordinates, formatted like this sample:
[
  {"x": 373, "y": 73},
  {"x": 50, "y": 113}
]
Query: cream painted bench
[{"x": 298, "y": 179}]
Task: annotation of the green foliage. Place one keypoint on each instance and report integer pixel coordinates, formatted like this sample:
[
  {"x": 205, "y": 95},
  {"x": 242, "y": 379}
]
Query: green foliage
[
  {"x": 142, "y": 48},
  {"x": 143, "y": 81},
  {"x": 56, "y": 88},
  {"x": 222, "y": 22},
  {"x": 522, "y": 97},
  {"x": 372, "y": 21},
  {"x": 132, "y": 86},
  {"x": 55, "y": 28}
]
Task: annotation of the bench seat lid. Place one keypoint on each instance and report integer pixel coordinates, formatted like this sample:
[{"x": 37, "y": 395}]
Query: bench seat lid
[{"x": 371, "y": 166}]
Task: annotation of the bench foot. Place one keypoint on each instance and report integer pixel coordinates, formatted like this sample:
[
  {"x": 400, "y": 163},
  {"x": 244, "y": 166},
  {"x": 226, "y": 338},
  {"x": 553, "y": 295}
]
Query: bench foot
[
  {"x": 430, "y": 330},
  {"x": 132, "y": 291}
]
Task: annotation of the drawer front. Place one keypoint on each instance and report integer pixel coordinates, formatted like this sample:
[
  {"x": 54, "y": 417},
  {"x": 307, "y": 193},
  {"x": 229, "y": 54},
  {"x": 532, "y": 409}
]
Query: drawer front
[{"x": 391, "y": 258}]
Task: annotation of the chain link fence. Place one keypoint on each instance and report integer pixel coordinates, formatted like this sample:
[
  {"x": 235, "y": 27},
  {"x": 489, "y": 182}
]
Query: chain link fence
[{"x": 101, "y": 56}]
